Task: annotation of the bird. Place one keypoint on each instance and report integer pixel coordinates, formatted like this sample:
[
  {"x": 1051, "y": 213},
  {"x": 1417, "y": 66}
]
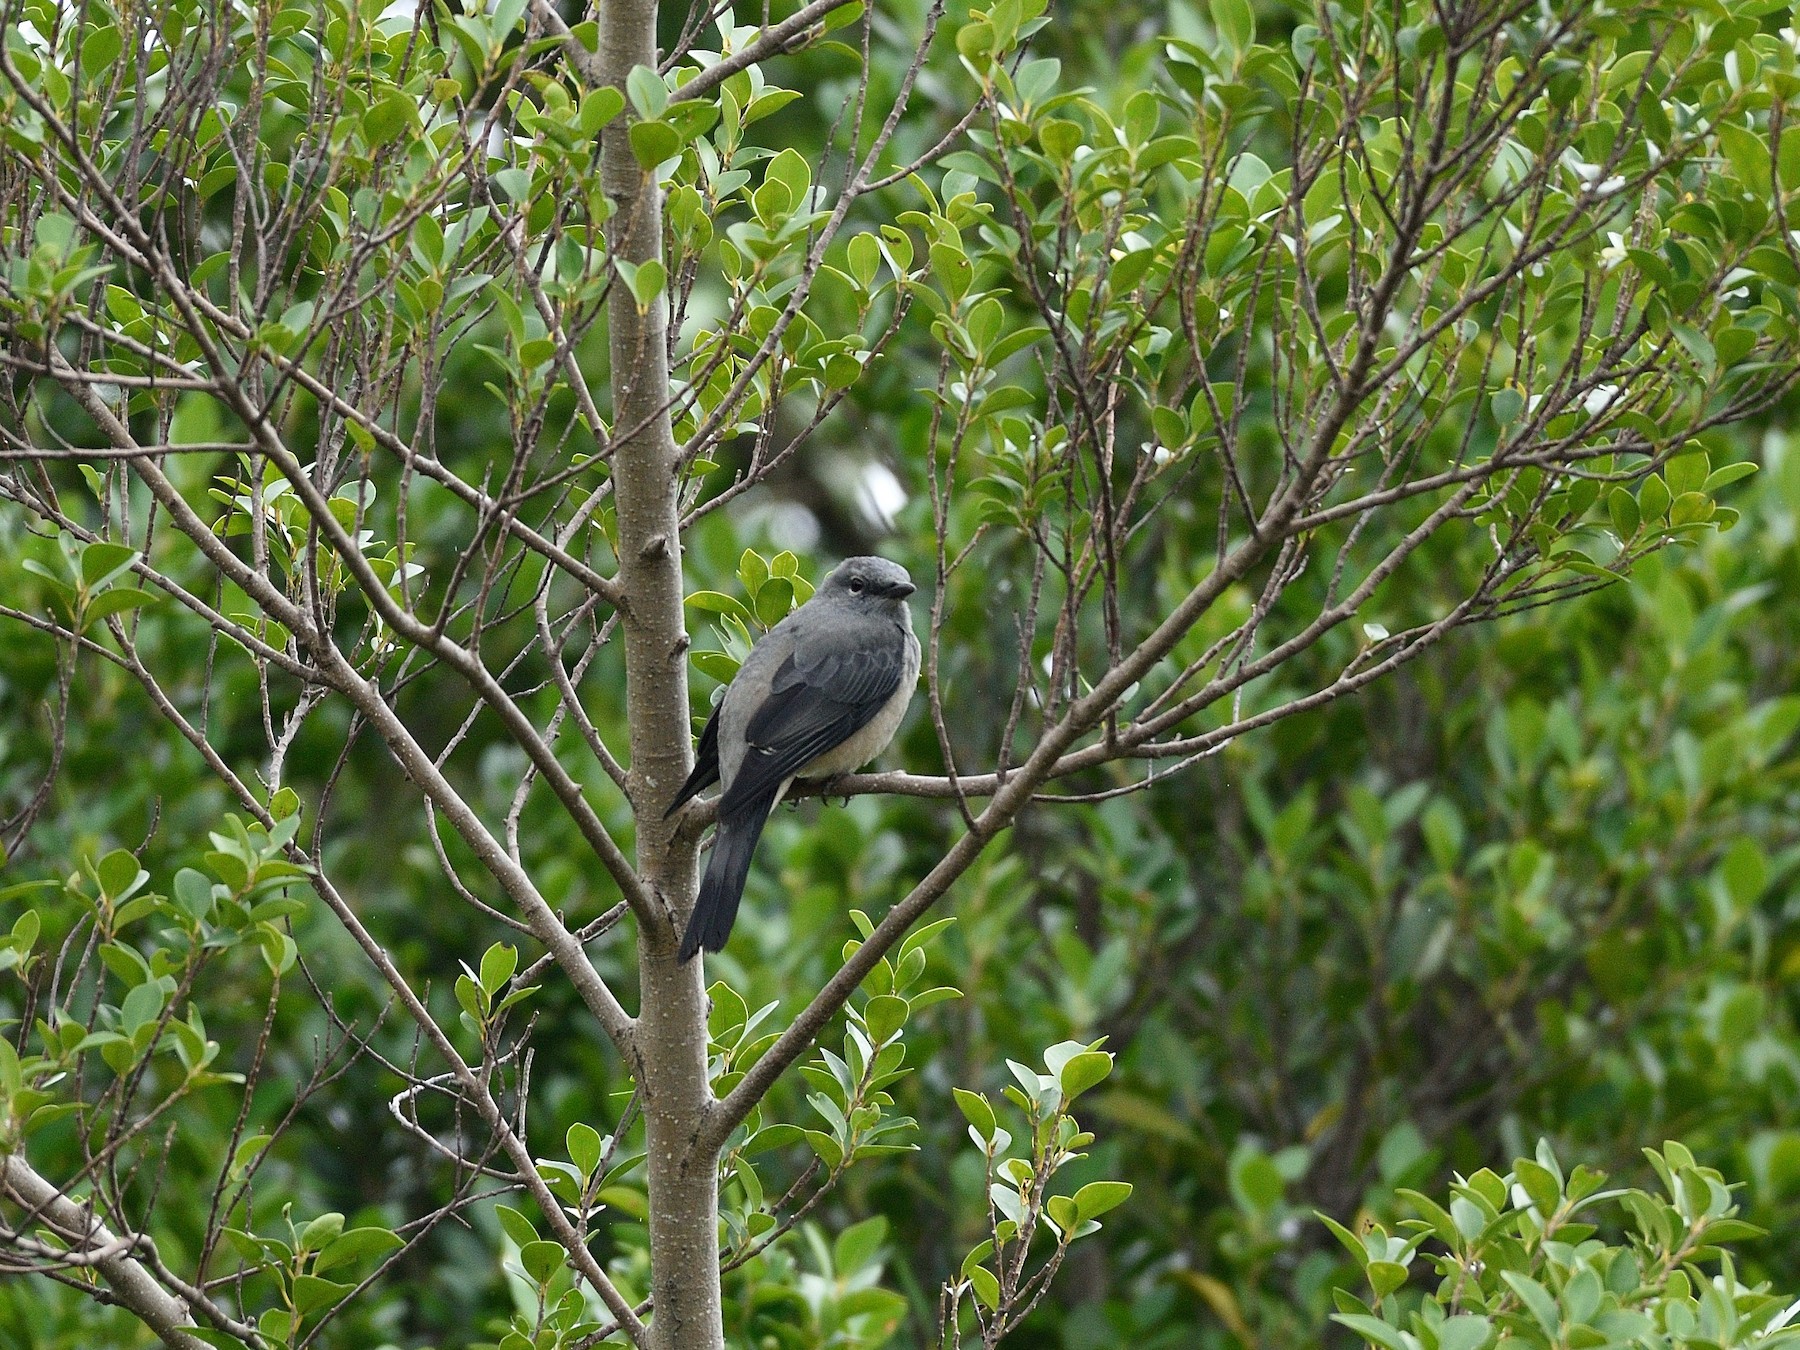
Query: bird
[{"x": 820, "y": 695}]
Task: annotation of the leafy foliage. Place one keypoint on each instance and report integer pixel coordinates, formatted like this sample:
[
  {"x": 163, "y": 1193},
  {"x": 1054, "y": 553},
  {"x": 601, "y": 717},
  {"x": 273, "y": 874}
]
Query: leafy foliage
[
  {"x": 1318, "y": 333},
  {"x": 1520, "y": 1266}
]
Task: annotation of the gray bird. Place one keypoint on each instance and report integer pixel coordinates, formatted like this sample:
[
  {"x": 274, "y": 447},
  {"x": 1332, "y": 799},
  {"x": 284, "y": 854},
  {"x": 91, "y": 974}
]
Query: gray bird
[{"x": 820, "y": 695}]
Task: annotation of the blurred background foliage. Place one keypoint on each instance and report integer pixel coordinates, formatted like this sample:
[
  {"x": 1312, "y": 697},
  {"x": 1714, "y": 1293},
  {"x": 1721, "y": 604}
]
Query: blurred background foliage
[{"x": 1542, "y": 883}]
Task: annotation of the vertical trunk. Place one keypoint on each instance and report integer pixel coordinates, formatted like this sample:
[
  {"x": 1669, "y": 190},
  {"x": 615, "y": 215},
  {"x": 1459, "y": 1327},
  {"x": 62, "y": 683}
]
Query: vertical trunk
[
  {"x": 684, "y": 1212},
  {"x": 671, "y": 1072}
]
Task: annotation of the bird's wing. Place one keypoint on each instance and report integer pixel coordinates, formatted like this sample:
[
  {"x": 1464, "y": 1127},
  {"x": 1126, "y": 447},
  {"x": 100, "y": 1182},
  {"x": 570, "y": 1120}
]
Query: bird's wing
[
  {"x": 706, "y": 766},
  {"x": 814, "y": 706}
]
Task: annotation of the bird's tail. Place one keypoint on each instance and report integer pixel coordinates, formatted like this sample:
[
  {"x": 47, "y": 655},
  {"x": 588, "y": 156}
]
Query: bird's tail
[{"x": 726, "y": 871}]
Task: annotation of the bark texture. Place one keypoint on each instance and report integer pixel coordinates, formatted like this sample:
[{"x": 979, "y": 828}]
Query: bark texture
[
  {"x": 670, "y": 1050},
  {"x": 92, "y": 1243}
]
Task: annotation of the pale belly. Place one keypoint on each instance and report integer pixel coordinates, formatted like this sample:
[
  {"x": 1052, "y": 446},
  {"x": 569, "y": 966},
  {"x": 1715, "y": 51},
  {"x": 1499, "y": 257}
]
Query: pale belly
[
  {"x": 872, "y": 739},
  {"x": 868, "y": 742}
]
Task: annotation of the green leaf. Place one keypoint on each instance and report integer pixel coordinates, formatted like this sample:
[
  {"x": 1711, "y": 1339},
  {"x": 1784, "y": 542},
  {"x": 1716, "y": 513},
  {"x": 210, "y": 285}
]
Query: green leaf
[
  {"x": 974, "y": 41},
  {"x": 278, "y": 949},
  {"x": 923, "y": 936},
  {"x": 976, "y": 1110},
  {"x": 1129, "y": 270},
  {"x": 985, "y": 1285},
  {"x": 193, "y": 892},
  {"x": 247, "y": 1153},
  {"x": 952, "y": 268},
  {"x": 1623, "y": 509},
  {"x": 1236, "y": 23},
  {"x": 497, "y": 966},
  {"x": 1468, "y": 1331},
  {"x": 116, "y": 600},
  {"x": 99, "y": 49},
  {"x": 311, "y": 1293},
  {"x": 649, "y": 95},
  {"x": 471, "y": 1000},
  {"x": 124, "y": 961},
  {"x": 541, "y": 1260},
  {"x": 653, "y": 142},
  {"x": 977, "y": 1254},
  {"x": 884, "y": 1014},
  {"x": 790, "y": 169},
  {"x": 1083, "y": 1072},
  {"x": 1731, "y": 1230},
  {"x": 1537, "y": 1299},
  {"x": 826, "y": 1147},
  {"x": 585, "y": 1147},
  {"x": 1748, "y": 156},
  {"x": 1539, "y": 1185},
  {"x": 1060, "y": 138},
  {"x": 12, "y": 1074},
  {"x": 387, "y": 118},
  {"x": 1373, "y": 1330},
  {"x": 841, "y": 371},
  {"x": 1256, "y": 1182},
  {"x": 1726, "y": 474},
  {"x": 102, "y": 561},
  {"x": 769, "y": 102},
  {"x": 142, "y": 1006},
  {"x": 321, "y": 1231},
  {"x": 772, "y": 1137},
  {"x": 1345, "y": 1237},
  {"x": 58, "y": 586},
  {"x": 598, "y": 107},
  {"x": 774, "y": 599},
  {"x": 646, "y": 281},
  {"x": 354, "y": 1245},
  {"x": 1385, "y": 1277},
  {"x": 864, "y": 255},
  {"x": 715, "y": 665},
  {"x": 1686, "y": 473},
  {"x": 716, "y": 602},
  {"x": 19, "y": 890},
  {"x": 858, "y": 1246},
  {"x": 1166, "y": 150},
  {"x": 1097, "y": 1197},
  {"x": 516, "y": 1226},
  {"x": 120, "y": 875},
  {"x": 536, "y": 352},
  {"x": 277, "y": 1325},
  {"x": 1698, "y": 346}
]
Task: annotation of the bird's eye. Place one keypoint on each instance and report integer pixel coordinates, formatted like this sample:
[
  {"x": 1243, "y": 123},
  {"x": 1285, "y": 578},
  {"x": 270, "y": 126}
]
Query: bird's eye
[{"x": 857, "y": 585}]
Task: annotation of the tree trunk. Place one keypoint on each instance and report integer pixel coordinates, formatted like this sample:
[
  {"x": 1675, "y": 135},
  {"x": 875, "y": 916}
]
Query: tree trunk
[{"x": 671, "y": 1040}]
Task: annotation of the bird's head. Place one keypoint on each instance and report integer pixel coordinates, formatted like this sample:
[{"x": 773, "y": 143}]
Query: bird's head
[{"x": 872, "y": 583}]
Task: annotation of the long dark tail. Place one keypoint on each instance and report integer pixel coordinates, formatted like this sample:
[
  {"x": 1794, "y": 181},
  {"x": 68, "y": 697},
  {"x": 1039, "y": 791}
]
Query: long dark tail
[
  {"x": 706, "y": 766},
  {"x": 726, "y": 871}
]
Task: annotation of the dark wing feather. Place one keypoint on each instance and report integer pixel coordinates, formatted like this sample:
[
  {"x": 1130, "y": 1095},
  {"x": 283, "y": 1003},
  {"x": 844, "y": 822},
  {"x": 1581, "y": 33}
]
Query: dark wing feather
[
  {"x": 706, "y": 766},
  {"x": 811, "y": 709}
]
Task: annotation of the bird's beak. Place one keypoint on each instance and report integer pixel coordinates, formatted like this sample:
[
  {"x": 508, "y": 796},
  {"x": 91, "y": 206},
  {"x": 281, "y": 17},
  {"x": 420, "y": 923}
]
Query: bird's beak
[{"x": 901, "y": 590}]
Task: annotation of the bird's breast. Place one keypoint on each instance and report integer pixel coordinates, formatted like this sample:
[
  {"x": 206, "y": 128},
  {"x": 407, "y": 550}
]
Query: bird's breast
[{"x": 872, "y": 738}]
